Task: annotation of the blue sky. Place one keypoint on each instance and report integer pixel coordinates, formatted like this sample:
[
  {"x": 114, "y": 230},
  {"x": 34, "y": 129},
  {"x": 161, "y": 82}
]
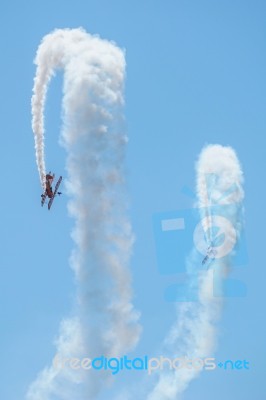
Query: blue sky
[{"x": 195, "y": 75}]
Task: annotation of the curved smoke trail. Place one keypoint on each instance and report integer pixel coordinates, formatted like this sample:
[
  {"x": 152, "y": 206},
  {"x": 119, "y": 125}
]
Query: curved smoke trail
[
  {"x": 105, "y": 322},
  {"x": 193, "y": 335}
]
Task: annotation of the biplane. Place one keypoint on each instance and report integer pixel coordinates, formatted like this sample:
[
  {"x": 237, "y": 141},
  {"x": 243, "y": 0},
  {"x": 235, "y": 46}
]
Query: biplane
[{"x": 49, "y": 191}]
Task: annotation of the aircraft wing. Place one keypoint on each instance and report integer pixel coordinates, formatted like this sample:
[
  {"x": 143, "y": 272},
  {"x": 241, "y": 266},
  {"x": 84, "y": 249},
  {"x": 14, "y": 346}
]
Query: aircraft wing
[
  {"x": 55, "y": 192},
  {"x": 43, "y": 199},
  {"x": 205, "y": 259}
]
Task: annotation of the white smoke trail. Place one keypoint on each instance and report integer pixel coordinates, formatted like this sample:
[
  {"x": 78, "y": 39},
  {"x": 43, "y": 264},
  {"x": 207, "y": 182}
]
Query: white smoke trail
[
  {"x": 105, "y": 322},
  {"x": 193, "y": 335}
]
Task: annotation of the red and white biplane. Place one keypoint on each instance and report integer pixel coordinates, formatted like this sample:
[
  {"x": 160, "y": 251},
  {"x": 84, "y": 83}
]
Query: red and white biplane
[{"x": 49, "y": 192}]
